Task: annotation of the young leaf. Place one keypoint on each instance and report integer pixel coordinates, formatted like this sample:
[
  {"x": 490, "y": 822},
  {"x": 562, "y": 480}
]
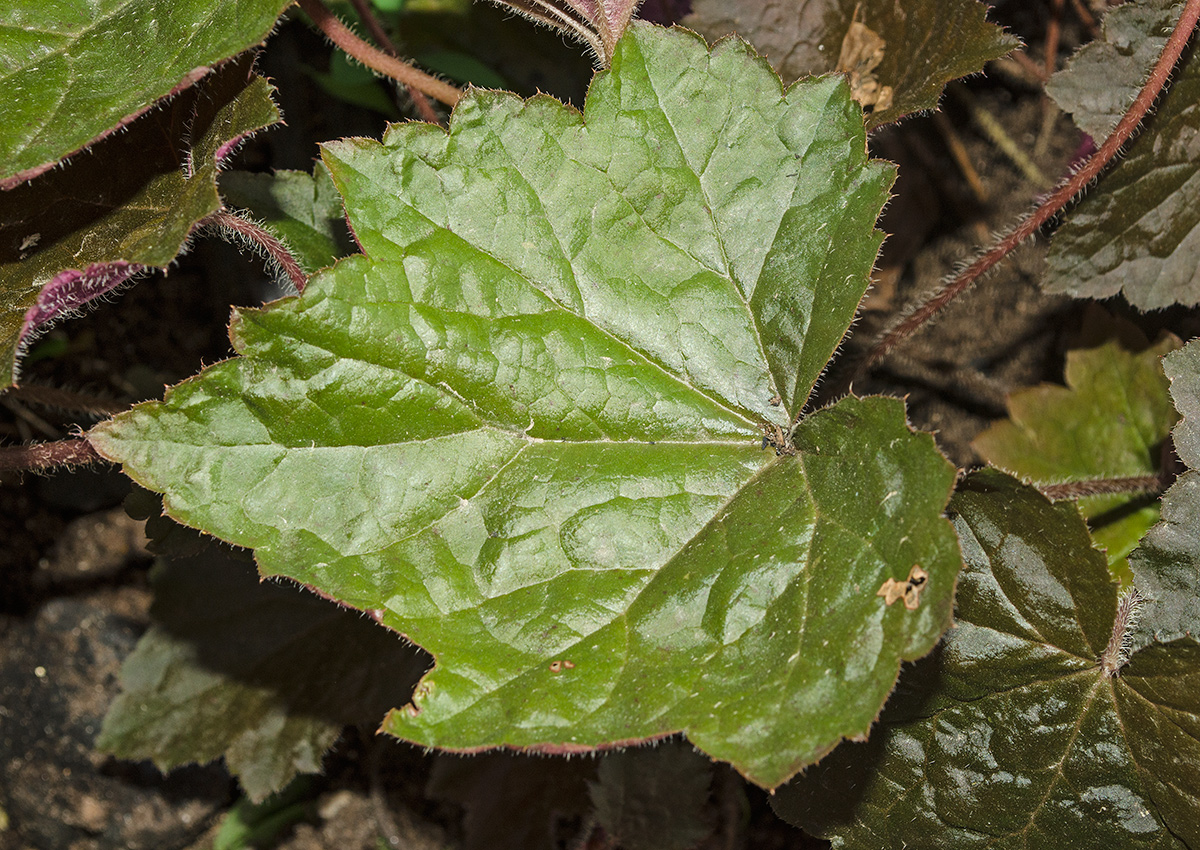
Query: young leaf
[
  {"x": 303, "y": 210},
  {"x": 1108, "y": 422},
  {"x": 1101, "y": 81},
  {"x": 127, "y": 204},
  {"x": 263, "y": 674},
  {"x": 1015, "y": 734},
  {"x": 1138, "y": 231},
  {"x": 74, "y": 73},
  {"x": 526, "y": 425},
  {"x": 816, "y": 36}
]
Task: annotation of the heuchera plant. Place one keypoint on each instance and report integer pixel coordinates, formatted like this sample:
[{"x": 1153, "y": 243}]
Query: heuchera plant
[{"x": 552, "y": 420}]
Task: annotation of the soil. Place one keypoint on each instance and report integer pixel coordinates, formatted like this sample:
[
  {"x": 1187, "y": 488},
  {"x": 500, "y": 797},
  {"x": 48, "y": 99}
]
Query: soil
[{"x": 74, "y": 596}]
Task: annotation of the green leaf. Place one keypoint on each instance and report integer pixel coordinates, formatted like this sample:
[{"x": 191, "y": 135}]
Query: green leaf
[
  {"x": 1109, "y": 421},
  {"x": 303, "y": 210},
  {"x": 654, "y": 798},
  {"x": 74, "y": 73},
  {"x": 260, "y": 673},
  {"x": 1138, "y": 231},
  {"x": 127, "y": 204},
  {"x": 1014, "y": 734},
  {"x": 1100, "y": 82},
  {"x": 528, "y": 425},
  {"x": 808, "y": 38}
]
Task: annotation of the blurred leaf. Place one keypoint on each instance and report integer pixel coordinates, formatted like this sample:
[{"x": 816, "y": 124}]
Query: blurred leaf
[
  {"x": 1012, "y": 735},
  {"x": 806, "y": 38},
  {"x": 1100, "y": 82},
  {"x": 528, "y": 426},
  {"x": 74, "y": 72},
  {"x": 514, "y": 802},
  {"x": 1109, "y": 421},
  {"x": 654, "y": 798},
  {"x": 353, "y": 83},
  {"x": 1138, "y": 230},
  {"x": 263, "y": 674},
  {"x": 129, "y": 203},
  {"x": 303, "y": 210}
]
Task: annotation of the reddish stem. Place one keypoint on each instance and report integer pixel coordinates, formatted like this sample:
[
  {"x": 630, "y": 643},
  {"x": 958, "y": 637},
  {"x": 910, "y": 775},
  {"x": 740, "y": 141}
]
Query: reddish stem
[
  {"x": 339, "y": 34},
  {"x": 1059, "y": 199},
  {"x": 420, "y": 101},
  {"x": 250, "y": 231},
  {"x": 47, "y": 456},
  {"x": 1102, "y": 487},
  {"x": 65, "y": 400}
]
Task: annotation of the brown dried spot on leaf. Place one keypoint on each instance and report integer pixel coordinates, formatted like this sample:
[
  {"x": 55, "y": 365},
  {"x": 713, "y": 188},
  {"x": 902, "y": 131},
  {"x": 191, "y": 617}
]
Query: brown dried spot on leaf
[
  {"x": 862, "y": 51},
  {"x": 909, "y": 590}
]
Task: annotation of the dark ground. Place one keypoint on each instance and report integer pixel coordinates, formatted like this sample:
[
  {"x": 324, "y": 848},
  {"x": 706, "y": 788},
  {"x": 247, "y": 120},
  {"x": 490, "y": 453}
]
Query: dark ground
[{"x": 73, "y": 587}]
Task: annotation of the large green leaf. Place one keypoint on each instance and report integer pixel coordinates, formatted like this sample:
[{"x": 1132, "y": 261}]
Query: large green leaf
[
  {"x": 528, "y": 426},
  {"x": 1015, "y": 734},
  {"x": 925, "y": 43},
  {"x": 127, "y": 204},
  {"x": 1109, "y": 421},
  {"x": 72, "y": 72},
  {"x": 1138, "y": 231},
  {"x": 263, "y": 674}
]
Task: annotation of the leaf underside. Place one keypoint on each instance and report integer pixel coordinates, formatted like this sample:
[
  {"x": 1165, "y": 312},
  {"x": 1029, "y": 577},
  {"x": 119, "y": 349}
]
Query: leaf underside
[
  {"x": 127, "y": 204},
  {"x": 526, "y": 426},
  {"x": 73, "y": 73}
]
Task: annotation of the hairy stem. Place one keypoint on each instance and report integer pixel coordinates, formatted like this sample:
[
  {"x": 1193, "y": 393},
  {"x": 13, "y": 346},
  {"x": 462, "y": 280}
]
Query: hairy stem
[
  {"x": 1102, "y": 487},
  {"x": 47, "y": 456},
  {"x": 1055, "y": 203},
  {"x": 339, "y": 34},
  {"x": 420, "y": 101},
  {"x": 64, "y": 400},
  {"x": 247, "y": 230}
]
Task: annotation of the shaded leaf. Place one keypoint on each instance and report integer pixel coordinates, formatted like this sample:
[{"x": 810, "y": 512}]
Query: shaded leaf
[
  {"x": 806, "y": 38},
  {"x": 73, "y": 73},
  {"x": 1100, "y": 82},
  {"x": 303, "y": 210},
  {"x": 263, "y": 674},
  {"x": 654, "y": 798},
  {"x": 1109, "y": 421},
  {"x": 1166, "y": 567},
  {"x": 528, "y": 426},
  {"x": 1012, "y": 735},
  {"x": 514, "y": 802},
  {"x": 1138, "y": 231},
  {"x": 127, "y": 204}
]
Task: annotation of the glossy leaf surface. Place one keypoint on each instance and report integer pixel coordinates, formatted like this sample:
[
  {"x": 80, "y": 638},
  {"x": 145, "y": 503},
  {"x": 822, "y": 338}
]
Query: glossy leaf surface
[
  {"x": 1012, "y": 735},
  {"x": 1138, "y": 230},
  {"x": 807, "y": 38},
  {"x": 129, "y": 203},
  {"x": 1109, "y": 421},
  {"x": 527, "y": 427},
  {"x": 263, "y": 674},
  {"x": 73, "y": 72}
]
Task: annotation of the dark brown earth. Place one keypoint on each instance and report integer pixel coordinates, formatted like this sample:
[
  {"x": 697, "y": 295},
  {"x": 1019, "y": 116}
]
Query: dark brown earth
[{"x": 73, "y": 588}]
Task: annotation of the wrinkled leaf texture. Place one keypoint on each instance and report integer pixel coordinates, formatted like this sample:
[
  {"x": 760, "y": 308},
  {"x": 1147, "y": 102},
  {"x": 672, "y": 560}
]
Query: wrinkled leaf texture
[
  {"x": 525, "y": 427},
  {"x": 929, "y": 42},
  {"x": 1137, "y": 232},
  {"x": 74, "y": 72}
]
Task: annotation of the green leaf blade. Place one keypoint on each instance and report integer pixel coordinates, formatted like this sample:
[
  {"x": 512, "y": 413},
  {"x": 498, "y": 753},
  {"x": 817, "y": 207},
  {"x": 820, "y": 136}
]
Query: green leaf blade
[
  {"x": 73, "y": 75},
  {"x": 526, "y": 428}
]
